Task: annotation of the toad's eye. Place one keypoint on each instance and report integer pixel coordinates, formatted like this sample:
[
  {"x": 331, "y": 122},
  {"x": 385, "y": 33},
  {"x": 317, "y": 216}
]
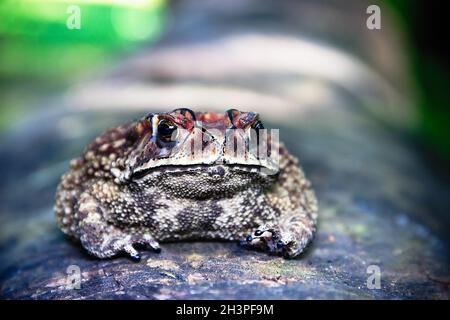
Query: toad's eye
[
  {"x": 167, "y": 130},
  {"x": 258, "y": 125}
]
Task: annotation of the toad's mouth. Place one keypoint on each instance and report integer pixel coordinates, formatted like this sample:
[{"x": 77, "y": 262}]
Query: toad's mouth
[{"x": 213, "y": 170}]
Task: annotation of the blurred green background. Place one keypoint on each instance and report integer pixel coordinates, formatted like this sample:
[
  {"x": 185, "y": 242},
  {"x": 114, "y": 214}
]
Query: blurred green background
[
  {"x": 40, "y": 56},
  {"x": 425, "y": 26}
]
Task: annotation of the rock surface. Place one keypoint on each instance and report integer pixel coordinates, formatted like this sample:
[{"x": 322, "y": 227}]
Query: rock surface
[{"x": 380, "y": 204}]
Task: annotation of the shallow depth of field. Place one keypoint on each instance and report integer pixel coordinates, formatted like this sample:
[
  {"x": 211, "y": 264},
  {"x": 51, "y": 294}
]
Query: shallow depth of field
[{"x": 365, "y": 111}]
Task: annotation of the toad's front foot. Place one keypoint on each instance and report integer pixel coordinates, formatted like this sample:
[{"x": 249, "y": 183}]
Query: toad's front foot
[
  {"x": 108, "y": 245},
  {"x": 105, "y": 240}
]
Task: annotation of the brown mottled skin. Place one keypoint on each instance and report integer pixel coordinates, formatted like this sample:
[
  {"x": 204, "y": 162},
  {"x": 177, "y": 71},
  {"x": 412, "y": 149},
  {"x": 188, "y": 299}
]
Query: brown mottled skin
[{"x": 139, "y": 183}]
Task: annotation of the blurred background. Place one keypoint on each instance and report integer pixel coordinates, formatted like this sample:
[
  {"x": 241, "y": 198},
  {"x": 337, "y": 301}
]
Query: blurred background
[{"x": 41, "y": 57}]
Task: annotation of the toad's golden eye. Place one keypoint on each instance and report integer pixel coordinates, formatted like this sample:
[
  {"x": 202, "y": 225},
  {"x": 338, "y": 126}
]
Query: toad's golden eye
[{"x": 167, "y": 130}]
